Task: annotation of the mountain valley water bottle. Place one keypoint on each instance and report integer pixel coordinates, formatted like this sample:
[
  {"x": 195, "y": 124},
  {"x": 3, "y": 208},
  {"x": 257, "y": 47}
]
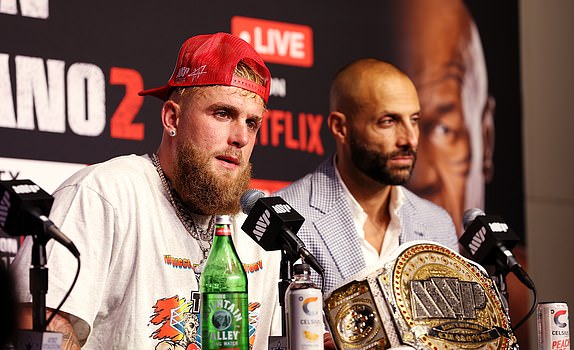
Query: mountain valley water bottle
[
  {"x": 304, "y": 311},
  {"x": 223, "y": 288}
]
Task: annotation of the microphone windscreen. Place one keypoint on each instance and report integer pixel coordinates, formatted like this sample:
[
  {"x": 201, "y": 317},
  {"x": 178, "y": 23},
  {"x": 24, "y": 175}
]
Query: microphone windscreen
[
  {"x": 249, "y": 198},
  {"x": 469, "y": 216}
]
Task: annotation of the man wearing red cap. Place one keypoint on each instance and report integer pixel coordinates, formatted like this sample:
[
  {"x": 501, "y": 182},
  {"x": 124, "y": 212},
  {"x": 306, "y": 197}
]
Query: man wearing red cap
[{"x": 144, "y": 224}]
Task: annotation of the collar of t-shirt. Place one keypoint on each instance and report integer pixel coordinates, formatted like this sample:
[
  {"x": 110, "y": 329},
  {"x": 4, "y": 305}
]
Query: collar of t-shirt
[{"x": 359, "y": 216}]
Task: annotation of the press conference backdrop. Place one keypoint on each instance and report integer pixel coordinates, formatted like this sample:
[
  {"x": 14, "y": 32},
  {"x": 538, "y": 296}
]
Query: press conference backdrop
[{"x": 70, "y": 72}]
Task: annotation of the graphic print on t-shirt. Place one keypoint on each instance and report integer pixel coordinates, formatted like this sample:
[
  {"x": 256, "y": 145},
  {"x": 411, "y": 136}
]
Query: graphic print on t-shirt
[{"x": 178, "y": 322}]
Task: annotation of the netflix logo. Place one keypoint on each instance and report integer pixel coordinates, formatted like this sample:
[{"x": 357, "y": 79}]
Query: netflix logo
[{"x": 276, "y": 42}]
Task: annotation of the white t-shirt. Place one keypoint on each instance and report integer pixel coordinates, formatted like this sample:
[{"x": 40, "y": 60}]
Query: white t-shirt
[{"x": 137, "y": 288}]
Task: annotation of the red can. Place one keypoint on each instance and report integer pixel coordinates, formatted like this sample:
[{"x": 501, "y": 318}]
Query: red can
[{"x": 553, "y": 326}]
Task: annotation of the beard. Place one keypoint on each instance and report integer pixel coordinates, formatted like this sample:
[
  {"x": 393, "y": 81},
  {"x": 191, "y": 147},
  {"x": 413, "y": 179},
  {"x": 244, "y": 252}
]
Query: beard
[
  {"x": 201, "y": 189},
  {"x": 374, "y": 164}
]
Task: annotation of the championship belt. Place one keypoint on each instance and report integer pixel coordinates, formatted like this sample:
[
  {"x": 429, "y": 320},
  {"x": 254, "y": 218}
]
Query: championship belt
[{"x": 427, "y": 297}]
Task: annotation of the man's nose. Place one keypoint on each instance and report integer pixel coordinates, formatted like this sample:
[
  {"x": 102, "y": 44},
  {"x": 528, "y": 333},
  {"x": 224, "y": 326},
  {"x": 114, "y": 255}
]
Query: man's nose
[
  {"x": 408, "y": 135},
  {"x": 239, "y": 134}
]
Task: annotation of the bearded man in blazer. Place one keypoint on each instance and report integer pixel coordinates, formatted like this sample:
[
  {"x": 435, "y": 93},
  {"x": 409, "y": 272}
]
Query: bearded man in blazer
[{"x": 355, "y": 208}]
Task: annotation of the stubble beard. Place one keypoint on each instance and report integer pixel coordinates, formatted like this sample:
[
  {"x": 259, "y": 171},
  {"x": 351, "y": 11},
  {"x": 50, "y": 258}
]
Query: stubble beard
[
  {"x": 374, "y": 164},
  {"x": 201, "y": 189}
]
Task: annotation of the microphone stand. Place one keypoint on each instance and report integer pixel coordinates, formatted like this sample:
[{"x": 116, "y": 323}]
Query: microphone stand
[
  {"x": 499, "y": 278},
  {"x": 286, "y": 275},
  {"x": 38, "y": 337},
  {"x": 39, "y": 283}
]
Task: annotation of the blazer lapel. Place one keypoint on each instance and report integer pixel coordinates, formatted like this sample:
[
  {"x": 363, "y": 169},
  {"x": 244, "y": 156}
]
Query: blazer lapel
[{"x": 336, "y": 227}]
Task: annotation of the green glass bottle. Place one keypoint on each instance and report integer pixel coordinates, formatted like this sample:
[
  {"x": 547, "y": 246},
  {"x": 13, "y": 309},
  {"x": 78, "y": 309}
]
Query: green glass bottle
[{"x": 223, "y": 288}]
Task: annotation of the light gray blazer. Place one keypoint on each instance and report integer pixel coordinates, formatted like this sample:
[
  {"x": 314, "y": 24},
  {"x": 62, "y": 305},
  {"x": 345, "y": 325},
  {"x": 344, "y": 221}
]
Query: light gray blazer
[{"x": 329, "y": 232}]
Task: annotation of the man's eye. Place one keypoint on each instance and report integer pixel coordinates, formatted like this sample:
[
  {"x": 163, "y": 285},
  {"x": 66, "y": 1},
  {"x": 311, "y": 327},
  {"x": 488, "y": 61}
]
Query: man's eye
[
  {"x": 442, "y": 130},
  {"x": 444, "y": 134},
  {"x": 386, "y": 121},
  {"x": 253, "y": 124}
]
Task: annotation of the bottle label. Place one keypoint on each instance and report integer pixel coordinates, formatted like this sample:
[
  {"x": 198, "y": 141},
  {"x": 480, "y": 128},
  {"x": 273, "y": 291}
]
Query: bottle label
[
  {"x": 223, "y": 230},
  {"x": 305, "y": 319},
  {"x": 224, "y": 321}
]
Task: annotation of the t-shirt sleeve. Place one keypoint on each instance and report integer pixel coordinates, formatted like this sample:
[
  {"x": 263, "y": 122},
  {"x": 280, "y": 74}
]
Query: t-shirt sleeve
[{"x": 89, "y": 221}]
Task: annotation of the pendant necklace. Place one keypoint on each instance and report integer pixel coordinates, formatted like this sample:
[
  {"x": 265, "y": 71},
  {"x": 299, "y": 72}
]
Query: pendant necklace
[{"x": 204, "y": 237}]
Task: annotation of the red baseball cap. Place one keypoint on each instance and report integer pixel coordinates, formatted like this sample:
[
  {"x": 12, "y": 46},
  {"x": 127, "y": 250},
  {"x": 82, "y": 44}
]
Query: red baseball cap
[{"x": 210, "y": 59}]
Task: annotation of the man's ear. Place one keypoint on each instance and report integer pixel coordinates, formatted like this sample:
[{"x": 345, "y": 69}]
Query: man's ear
[
  {"x": 337, "y": 123},
  {"x": 488, "y": 139},
  {"x": 170, "y": 113}
]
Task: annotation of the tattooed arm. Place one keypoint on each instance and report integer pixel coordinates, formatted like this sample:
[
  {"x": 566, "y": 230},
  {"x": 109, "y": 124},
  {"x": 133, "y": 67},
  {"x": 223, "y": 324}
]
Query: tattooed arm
[{"x": 60, "y": 324}]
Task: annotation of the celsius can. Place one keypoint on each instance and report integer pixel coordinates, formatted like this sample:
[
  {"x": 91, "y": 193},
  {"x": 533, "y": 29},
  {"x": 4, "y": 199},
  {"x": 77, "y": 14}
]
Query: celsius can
[
  {"x": 304, "y": 309},
  {"x": 553, "y": 326}
]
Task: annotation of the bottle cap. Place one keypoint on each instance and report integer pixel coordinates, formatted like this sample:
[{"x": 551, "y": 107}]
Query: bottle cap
[
  {"x": 300, "y": 269},
  {"x": 223, "y": 220}
]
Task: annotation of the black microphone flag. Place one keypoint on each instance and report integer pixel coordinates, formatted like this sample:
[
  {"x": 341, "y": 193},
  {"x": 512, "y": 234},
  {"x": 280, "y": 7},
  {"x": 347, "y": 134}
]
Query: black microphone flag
[
  {"x": 489, "y": 241},
  {"x": 483, "y": 233},
  {"x": 24, "y": 208},
  {"x": 273, "y": 224},
  {"x": 268, "y": 214}
]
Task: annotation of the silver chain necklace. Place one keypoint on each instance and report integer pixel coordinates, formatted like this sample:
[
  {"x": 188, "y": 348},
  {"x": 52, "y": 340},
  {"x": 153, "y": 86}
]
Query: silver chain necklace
[{"x": 204, "y": 237}]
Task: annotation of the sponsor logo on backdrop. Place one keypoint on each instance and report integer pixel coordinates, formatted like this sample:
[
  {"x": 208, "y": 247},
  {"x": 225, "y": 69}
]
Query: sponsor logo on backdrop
[
  {"x": 48, "y": 175},
  {"x": 28, "y": 8},
  {"x": 8, "y": 245},
  {"x": 288, "y": 44},
  {"x": 58, "y": 97},
  {"x": 8, "y": 249},
  {"x": 8, "y": 174},
  {"x": 302, "y": 133},
  {"x": 277, "y": 42},
  {"x": 278, "y": 87}
]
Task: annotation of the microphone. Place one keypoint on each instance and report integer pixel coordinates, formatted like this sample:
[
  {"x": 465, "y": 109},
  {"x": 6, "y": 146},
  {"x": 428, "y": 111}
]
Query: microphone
[
  {"x": 488, "y": 240},
  {"x": 23, "y": 209},
  {"x": 273, "y": 224}
]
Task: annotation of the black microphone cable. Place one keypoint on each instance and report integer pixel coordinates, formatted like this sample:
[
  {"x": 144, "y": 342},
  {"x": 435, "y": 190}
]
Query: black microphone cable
[
  {"x": 530, "y": 312},
  {"x": 57, "y": 309},
  {"x": 319, "y": 269}
]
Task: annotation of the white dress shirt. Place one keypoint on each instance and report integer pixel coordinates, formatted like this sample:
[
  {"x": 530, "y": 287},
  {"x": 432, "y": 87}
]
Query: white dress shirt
[{"x": 359, "y": 216}]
